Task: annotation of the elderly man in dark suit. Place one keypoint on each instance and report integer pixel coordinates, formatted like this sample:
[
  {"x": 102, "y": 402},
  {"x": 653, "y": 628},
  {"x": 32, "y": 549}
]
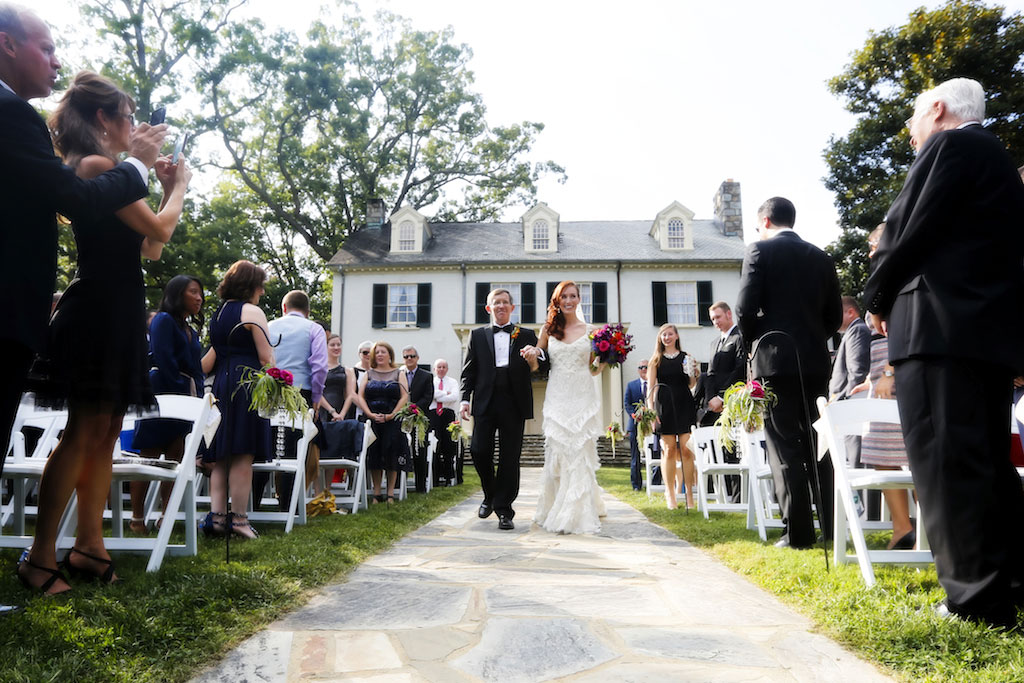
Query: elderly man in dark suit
[
  {"x": 788, "y": 307},
  {"x": 947, "y": 280},
  {"x": 851, "y": 365},
  {"x": 421, "y": 393},
  {"x": 496, "y": 378},
  {"x": 34, "y": 187},
  {"x": 728, "y": 366}
]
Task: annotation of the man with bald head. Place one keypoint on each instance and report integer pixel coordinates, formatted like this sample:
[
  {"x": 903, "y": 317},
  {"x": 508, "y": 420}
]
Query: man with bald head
[
  {"x": 945, "y": 280},
  {"x": 34, "y": 187}
]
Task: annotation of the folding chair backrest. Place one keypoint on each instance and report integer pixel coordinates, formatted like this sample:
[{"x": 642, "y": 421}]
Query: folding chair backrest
[
  {"x": 704, "y": 446},
  {"x": 848, "y": 418}
]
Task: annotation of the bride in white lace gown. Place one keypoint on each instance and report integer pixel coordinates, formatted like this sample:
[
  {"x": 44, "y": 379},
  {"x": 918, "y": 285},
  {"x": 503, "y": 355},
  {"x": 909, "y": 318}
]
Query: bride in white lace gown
[{"x": 570, "y": 499}]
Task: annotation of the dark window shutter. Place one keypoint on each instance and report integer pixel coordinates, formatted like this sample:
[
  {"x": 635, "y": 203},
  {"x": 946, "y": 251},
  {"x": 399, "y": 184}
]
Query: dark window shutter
[
  {"x": 550, "y": 289},
  {"x": 482, "y": 289},
  {"x": 380, "y": 306},
  {"x": 423, "y": 304},
  {"x": 660, "y": 299},
  {"x": 528, "y": 306},
  {"x": 704, "y": 300},
  {"x": 599, "y": 292}
]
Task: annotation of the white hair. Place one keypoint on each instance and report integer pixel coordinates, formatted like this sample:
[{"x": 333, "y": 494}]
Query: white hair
[
  {"x": 439, "y": 360},
  {"x": 964, "y": 99},
  {"x": 365, "y": 345},
  {"x": 410, "y": 348}
]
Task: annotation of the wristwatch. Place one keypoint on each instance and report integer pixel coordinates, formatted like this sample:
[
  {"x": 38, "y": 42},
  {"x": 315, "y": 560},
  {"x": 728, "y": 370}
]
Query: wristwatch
[{"x": 887, "y": 373}]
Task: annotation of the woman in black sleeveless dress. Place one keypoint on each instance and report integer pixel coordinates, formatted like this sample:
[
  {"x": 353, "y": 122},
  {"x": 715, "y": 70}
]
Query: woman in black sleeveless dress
[
  {"x": 238, "y": 333},
  {"x": 96, "y": 363},
  {"x": 672, "y": 375},
  {"x": 383, "y": 391}
]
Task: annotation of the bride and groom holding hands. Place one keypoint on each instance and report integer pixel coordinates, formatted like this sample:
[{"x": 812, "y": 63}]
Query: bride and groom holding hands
[{"x": 496, "y": 376}]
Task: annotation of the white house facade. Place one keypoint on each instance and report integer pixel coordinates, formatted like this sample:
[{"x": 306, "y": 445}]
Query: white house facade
[{"x": 424, "y": 284}]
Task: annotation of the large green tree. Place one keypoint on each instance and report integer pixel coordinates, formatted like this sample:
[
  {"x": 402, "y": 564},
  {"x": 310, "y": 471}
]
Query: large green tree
[
  {"x": 867, "y": 166},
  {"x": 366, "y": 109}
]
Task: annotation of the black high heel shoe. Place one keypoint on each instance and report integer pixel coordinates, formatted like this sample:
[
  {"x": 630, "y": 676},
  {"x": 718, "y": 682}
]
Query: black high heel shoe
[
  {"x": 240, "y": 527},
  {"x": 213, "y": 524},
  {"x": 106, "y": 576},
  {"x": 55, "y": 575}
]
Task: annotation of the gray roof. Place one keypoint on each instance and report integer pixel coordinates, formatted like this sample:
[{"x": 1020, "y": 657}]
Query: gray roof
[{"x": 578, "y": 241}]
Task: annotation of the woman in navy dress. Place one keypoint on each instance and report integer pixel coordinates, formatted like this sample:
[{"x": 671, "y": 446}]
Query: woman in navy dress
[
  {"x": 383, "y": 391},
  {"x": 243, "y": 436},
  {"x": 177, "y": 369},
  {"x": 672, "y": 377},
  {"x": 96, "y": 363}
]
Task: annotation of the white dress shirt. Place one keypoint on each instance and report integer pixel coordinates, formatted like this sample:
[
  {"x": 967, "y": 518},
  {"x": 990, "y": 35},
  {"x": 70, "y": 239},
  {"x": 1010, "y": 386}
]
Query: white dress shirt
[
  {"x": 446, "y": 393},
  {"x": 502, "y": 345}
]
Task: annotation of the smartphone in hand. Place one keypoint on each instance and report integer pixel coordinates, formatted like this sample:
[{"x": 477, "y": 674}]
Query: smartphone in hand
[
  {"x": 158, "y": 116},
  {"x": 179, "y": 147}
]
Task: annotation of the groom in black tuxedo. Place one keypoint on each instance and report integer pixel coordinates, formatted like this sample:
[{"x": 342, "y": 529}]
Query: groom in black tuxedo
[
  {"x": 497, "y": 379},
  {"x": 34, "y": 187}
]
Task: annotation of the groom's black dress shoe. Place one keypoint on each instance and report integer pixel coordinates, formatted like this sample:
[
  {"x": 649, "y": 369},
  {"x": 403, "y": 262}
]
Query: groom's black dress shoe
[
  {"x": 485, "y": 510},
  {"x": 505, "y": 523}
]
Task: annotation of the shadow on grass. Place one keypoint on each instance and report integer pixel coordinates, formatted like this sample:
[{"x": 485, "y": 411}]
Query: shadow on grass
[
  {"x": 892, "y": 624},
  {"x": 168, "y": 625}
]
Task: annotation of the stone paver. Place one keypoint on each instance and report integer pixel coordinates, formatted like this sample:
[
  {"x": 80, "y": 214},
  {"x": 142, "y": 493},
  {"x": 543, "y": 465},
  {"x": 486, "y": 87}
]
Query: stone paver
[{"x": 459, "y": 601}]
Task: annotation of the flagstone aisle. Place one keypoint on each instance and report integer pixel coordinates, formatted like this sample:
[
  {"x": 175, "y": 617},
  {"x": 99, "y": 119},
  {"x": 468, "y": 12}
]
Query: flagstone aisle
[{"x": 459, "y": 600}]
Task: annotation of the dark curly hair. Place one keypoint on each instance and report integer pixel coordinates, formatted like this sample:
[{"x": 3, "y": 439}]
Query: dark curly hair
[{"x": 556, "y": 319}]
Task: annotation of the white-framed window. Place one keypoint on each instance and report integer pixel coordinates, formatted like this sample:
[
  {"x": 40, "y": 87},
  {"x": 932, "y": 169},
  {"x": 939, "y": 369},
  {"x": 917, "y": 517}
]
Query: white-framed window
[
  {"x": 681, "y": 300},
  {"x": 407, "y": 236},
  {"x": 676, "y": 234},
  {"x": 541, "y": 235},
  {"x": 402, "y": 305},
  {"x": 586, "y": 300},
  {"x": 516, "y": 290}
]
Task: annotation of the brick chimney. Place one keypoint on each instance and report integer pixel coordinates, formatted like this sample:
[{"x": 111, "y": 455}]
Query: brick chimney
[{"x": 728, "y": 210}]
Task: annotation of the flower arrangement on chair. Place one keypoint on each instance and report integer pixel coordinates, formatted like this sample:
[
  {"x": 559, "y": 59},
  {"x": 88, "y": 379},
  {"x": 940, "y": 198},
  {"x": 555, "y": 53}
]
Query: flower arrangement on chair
[
  {"x": 457, "y": 432},
  {"x": 614, "y": 433},
  {"x": 744, "y": 406},
  {"x": 414, "y": 418},
  {"x": 610, "y": 344},
  {"x": 271, "y": 391},
  {"x": 645, "y": 419}
]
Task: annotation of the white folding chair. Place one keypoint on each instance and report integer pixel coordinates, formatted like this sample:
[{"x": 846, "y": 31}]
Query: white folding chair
[
  {"x": 761, "y": 507},
  {"x": 23, "y": 470},
  {"x": 182, "y": 500},
  {"x": 650, "y": 462},
  {"x": 353, "y": 492},
  {"x": 295, "y": 467},
  {"x": 708, "y": 458},
  {"x": 845, "y": 418},
  {"x": 430, "y": 448}
]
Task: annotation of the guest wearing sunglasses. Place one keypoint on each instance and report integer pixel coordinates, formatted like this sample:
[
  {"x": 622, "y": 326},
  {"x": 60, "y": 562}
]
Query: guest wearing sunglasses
[
  {"x": 355, "y": 412},
  {"x": 636, "y": 392},
  {"x": 421, "y": 393}
]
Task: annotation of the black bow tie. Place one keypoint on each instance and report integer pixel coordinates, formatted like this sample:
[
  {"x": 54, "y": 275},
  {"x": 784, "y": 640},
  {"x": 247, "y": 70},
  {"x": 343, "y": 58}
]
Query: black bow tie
[{"x": 506, "y": 328}]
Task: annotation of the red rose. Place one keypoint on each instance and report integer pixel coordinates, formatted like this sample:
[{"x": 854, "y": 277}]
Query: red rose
[
  {"x": 756, "y": 390},
  {"x": 286, "y": 377},
  {"x": 603, "y": 346},
  {"x": 274, "y": 372}
]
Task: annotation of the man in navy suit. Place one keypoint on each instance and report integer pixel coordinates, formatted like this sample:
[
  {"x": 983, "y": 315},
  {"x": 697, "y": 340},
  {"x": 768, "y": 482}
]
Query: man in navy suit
[
  {"x": 788, "y": 307},
  {"x": 948, "y": 279},
  {"x": 635, "y": 391},
  {"x": 496, "y": 378},
  {"x": 34, "y": 187}
]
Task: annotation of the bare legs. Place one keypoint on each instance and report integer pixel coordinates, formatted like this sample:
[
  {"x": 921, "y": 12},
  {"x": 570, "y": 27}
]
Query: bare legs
[
  {"x": 81, "y": 463},
  {"x": 899, "y": 510},
  {"x": 677, "y": 468},
  {"x": 174, "y": 451},
  {"x": 241, "y": 486},
  {"x": 377, "y": 477}
]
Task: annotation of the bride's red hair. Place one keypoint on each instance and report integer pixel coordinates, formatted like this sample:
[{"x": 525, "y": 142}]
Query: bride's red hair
[{"x": 556, "y": 319}]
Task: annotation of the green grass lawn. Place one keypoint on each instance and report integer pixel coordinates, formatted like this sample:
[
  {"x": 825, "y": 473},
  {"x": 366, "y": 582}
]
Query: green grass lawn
[
  {"x": 167, "y": 625},
  {"x": 892, "y": 624}
]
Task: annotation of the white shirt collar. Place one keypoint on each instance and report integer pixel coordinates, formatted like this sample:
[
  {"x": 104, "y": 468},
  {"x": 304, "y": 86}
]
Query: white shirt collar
[
  {"x": 7, "y": 86},
  {"x": 779, "y": 231},
  {"x": 298, "y": 313},
  {"x": 972, "y": 122},
  {"x": 725, "y": 335}
]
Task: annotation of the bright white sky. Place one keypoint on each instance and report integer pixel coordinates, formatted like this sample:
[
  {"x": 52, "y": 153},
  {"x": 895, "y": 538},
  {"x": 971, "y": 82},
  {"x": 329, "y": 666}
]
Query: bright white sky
[{"x": 650, "y": 101}]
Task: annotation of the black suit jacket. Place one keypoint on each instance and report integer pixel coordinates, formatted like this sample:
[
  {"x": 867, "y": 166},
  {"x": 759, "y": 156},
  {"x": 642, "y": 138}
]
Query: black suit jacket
[
  {"x": 948, "y": 272},
  {"x": 421, "y": 389},
  {"x": 478, "y": 371},
  {"x": 34, "y": 186},
  {"x": 728, "y": 366},
  {"x": 790, "y": 285}
]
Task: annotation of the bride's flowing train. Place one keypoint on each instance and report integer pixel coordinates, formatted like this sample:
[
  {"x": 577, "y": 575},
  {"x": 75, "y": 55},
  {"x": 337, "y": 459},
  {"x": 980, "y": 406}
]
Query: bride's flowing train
[{"x": 570, "y": 499}]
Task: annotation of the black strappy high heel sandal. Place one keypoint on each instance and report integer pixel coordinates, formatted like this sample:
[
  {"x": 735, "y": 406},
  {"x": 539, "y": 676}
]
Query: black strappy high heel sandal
[
  {"x": 55, "y": 575},
  {"x": 106, "y": 576}
]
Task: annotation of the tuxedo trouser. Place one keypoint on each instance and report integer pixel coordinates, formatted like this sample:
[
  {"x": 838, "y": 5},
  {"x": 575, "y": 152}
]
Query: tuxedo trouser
[
  {"x": 419, "y": 463},
  {"x": 636, "y": 475},
  {"x": 18, "y": 359},
  {"x": 502, "y": 416},
  {"x": 791, "y": 454},
  {"x": 955, "y": 427},
  {"x": 733, "y": 482},
  {"x": 285, "y": 482},
  {"x": 444, "y": 456}
]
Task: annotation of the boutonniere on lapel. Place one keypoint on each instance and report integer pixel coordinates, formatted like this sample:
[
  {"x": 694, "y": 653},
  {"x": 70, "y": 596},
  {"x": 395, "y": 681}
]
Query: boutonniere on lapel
[{"x": 515, "y": 333}]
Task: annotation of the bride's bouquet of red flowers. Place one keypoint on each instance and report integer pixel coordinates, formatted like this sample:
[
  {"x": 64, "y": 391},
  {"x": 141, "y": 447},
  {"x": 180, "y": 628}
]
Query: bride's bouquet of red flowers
[{"x": 611, "y": 344}]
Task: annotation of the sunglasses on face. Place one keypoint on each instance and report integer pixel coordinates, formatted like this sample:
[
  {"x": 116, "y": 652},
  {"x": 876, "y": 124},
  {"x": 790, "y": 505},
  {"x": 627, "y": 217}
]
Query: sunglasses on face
[
  {"x": 365, "y": 352},
  {"x": 641, "y": 367},
  {"x": 410, "y": 356}
]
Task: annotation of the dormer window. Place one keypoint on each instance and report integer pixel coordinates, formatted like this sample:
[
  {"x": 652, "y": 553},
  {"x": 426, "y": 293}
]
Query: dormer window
[
  {"x": 676, "y": 234},
  {"x": 541, "y": 236},
  {"x": 407, "y": 236}
]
